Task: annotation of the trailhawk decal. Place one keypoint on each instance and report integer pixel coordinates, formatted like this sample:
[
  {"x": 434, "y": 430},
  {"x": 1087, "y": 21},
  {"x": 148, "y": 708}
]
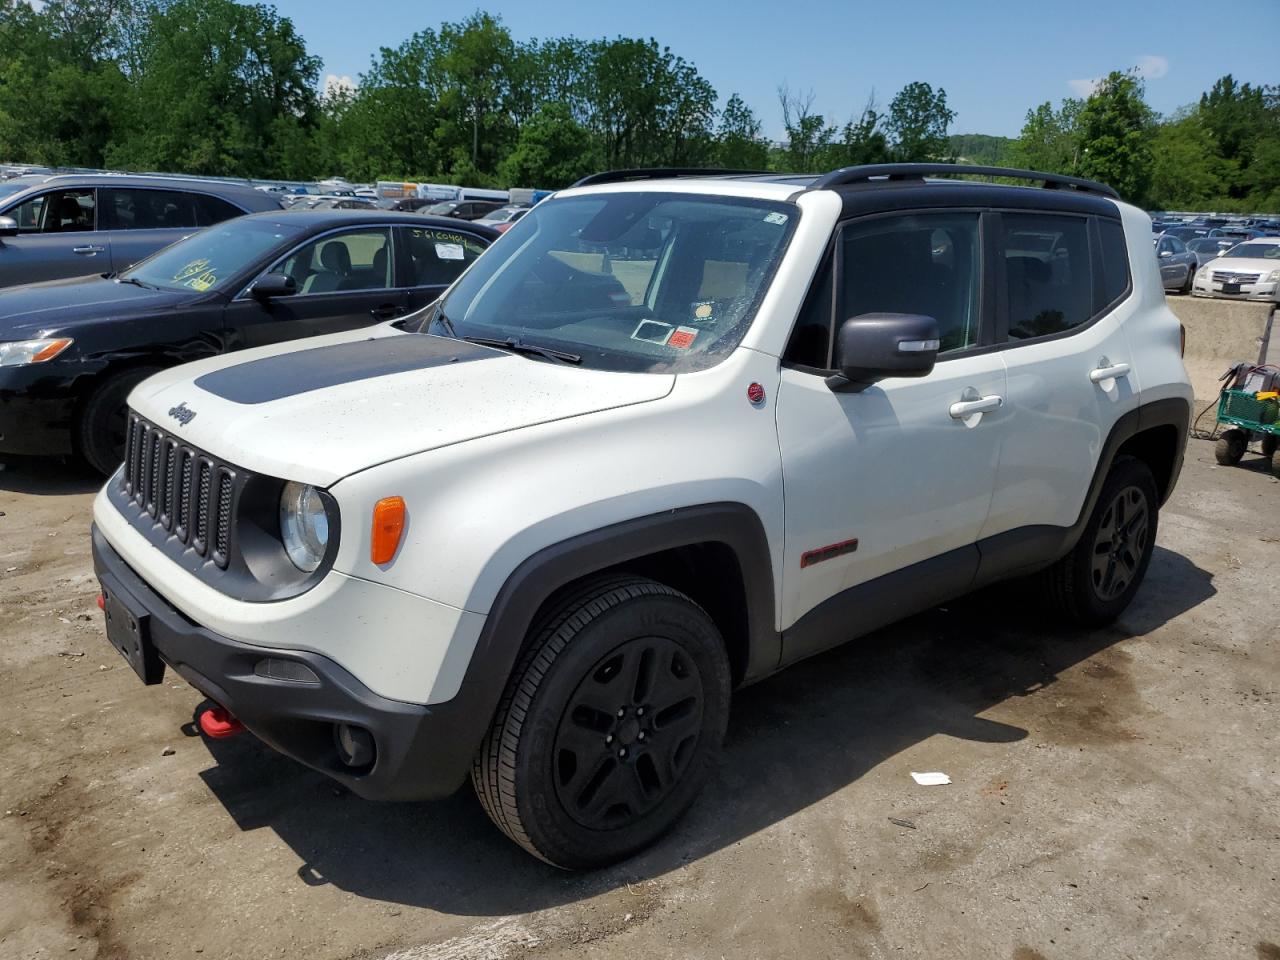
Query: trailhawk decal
[{"x": 301, "y": 371}]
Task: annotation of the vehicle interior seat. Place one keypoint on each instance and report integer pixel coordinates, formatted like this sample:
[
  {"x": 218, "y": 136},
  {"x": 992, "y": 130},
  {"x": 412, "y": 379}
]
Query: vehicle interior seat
[
  {"x": 335, "y": 262},
  {"x": 71, "y": 216}
]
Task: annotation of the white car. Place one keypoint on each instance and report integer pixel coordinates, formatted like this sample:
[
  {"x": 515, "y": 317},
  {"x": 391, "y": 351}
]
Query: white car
[
  {"x": 1248, "y": 271},
  {"x": 669, "y": 435}
]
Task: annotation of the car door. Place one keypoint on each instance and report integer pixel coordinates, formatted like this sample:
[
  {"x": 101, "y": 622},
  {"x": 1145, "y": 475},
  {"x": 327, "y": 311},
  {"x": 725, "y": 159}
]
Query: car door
[
  {"x": 57, "y": 237},
  {"x": 1183, "y": 259},
  {"x": 142, "y": 220},
  {"x": 893, "y": 478},
  {"x": 1071, "y": 374},
  {"x": 345, "y": 278},
  {"x": 434, "y": 258},
  {"x": 1171, "y": 271}
]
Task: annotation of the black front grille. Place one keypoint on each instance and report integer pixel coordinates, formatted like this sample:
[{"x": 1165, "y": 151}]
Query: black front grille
[{"x": 188, "y": 493}]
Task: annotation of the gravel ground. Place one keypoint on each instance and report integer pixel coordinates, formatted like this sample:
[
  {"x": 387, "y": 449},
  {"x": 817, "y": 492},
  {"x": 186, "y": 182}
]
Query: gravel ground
[{"x": 1114, "y": 793}]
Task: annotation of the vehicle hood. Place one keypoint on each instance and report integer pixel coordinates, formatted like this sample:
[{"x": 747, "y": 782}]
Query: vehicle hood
[
  {"x": 33, "y": 309},
  {"x": 325, "y": 408},
  {"x": 1262, "y": 265}
]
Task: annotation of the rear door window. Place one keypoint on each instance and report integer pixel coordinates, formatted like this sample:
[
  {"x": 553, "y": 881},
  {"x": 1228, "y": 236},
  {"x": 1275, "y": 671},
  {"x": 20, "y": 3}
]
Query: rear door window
[
  {"x": 438, "y": 257},
  {"x": 211, "y": 210},
  {"x": 147, "y": 209},
  {"x": 1048, "y": 275}
]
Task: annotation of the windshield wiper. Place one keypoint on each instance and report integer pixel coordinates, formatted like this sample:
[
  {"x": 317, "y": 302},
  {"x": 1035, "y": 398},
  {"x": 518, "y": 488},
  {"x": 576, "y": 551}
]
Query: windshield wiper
[
  {"x": 444, "y": 321},
  {"x": 516, "y": 345},
  {"x": 135, "y": 282}
]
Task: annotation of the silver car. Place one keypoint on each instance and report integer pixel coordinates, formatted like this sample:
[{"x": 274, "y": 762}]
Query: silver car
[
  {"x": 1177, "y": 263},
  {"x": 74, "y": 225}
]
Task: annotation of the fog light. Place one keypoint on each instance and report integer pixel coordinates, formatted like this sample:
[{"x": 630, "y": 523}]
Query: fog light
[
  {"x": 355, "y": 745},
  {"x": 290, "y": 670}
]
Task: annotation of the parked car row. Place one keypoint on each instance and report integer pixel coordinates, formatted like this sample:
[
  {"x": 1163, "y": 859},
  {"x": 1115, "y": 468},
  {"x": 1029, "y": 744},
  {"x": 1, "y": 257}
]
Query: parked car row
[{"x": 72, "y": 349}]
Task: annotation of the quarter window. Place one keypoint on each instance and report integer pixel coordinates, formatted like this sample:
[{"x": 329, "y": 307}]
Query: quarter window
[
  {"x": 359, "y": 260},
  {"x": 1115, "y": 261},
  {"x": 923, "y": 263},
  {"x": 213, "y": 210},
  {"x": 1048, "y": 276}
]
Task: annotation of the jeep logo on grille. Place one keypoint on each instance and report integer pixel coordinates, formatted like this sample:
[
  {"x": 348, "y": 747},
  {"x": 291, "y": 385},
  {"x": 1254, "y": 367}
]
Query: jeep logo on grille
[{"x": 182, "y": 413}]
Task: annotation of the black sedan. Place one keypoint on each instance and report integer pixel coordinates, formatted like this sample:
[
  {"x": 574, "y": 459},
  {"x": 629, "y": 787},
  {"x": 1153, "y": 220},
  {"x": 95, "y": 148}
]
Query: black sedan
[{"x": 72, "y": 350}]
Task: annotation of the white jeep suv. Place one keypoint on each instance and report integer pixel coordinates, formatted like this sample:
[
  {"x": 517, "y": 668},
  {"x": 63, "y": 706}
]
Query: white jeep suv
[{"x": 672, "y": 433}]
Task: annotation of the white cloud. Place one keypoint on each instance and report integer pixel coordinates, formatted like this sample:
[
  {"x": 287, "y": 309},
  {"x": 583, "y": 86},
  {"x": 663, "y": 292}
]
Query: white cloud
[
  {"x": 1152, "y": 67},
  {"x": 1149, "y": 67},
  {"x": 1083, "y": 88},
  {"x": 338, "y": 84}
]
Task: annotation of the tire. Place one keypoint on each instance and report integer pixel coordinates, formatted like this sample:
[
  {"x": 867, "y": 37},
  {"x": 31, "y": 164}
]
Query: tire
[
  {"x": 1185, "y": 290},
  {"x": 1269, "y": 441},
  {"x": 100, "y": 427},
  {"x": 1231, "y": 447},
  {"x": 596, "y": 749},
  {"x": 1090, "y": 586}
]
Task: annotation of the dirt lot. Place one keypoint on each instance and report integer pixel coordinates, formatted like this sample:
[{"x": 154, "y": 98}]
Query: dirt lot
[{"x": 1114, "y": 794}]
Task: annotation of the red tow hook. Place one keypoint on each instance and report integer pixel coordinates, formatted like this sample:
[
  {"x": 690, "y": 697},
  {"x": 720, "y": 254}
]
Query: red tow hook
[
  {"x": 102, "y": 601},
  {"x": 218, "y": 723}
]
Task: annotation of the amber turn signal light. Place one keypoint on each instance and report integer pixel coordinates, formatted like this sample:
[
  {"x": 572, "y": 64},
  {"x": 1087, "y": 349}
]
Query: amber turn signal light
[{"x": 388, "y": 524}]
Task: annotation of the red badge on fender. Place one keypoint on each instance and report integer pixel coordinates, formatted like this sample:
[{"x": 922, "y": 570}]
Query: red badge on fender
[{"x": 755, "y": 393}]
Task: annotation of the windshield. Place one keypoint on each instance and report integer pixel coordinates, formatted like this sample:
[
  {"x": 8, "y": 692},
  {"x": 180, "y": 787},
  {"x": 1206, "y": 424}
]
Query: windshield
[
  {"x": 1205, "y": 245},
  {"x": 643, "y": 282},
  {"x": 9, "y": 187},
  {"x": 445, "y": 207},
  {"x": 1263, "y": 251},
  {"x": 212, "y": 258}
]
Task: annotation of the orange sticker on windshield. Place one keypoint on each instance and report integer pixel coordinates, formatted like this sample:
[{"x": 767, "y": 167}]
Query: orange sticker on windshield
[{"x": 682, "y": 338}]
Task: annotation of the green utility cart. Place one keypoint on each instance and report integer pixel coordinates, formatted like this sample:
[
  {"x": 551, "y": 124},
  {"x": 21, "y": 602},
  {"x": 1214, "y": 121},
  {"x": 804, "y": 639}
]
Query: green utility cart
[{"x": 1249, "y": 406}]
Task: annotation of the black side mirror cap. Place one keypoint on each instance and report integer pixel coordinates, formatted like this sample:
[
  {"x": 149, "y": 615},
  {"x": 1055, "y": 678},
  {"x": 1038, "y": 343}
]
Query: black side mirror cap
[
  {"x": 876, "y": 346},
  {"x": 275, "y": 285}
]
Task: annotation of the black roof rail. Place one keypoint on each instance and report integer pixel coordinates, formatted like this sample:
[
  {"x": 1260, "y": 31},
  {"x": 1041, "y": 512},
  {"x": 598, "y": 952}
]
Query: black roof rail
[
  {"x": 918, "y": 171},
  {"x": 662, "y": 173}
]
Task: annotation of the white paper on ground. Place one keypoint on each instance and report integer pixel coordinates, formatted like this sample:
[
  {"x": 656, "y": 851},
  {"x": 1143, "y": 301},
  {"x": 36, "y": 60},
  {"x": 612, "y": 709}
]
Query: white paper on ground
[{"x": 930, "y": 779}]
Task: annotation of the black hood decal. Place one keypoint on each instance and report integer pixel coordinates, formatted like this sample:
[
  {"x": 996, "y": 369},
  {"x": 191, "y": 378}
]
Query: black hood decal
[{"x": 301, "y": 371}]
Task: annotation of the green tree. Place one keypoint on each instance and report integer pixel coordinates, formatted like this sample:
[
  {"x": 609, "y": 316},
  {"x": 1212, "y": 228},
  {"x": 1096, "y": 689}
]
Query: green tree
[
  {"x": 224, "y": 89},
  {"x": 1188, "y": 171},
  {"x": 1115, "y": 127},
  {"x": 739, "y": 145},
  {"x": 809, "y": 137},
  {"x": 918, "y": 121},
  {"x": 553, "y": 151}
]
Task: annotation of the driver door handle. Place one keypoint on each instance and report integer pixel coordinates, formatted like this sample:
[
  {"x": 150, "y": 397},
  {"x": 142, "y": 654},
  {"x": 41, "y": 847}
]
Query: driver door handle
[
  {"x": 386, "y": 311},
  {"x": 967, "y": 408},
  {"x": 1111, "y": 371},
  {"x": 88, "y": 249}
]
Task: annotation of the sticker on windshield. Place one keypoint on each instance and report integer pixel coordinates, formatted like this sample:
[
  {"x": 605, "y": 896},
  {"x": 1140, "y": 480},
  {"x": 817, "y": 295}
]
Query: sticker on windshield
[
  {"x": 775, "y": 217},
  {"x": 202, "y": 282},
  {"x": 450, "y": 251},
  {"x": 682, "y": 338},
  {"x": 704, "y": 311},
  {"x": 192, "y": 268},
  {"x": 653, "y": 331}
]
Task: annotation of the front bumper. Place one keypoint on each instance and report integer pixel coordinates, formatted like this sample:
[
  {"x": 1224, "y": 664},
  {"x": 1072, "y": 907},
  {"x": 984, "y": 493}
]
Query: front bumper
[
  {"x": 422, "y": 751},
  {"x": 35, "y": 412},
  {"x": 1248, "y": 291}
]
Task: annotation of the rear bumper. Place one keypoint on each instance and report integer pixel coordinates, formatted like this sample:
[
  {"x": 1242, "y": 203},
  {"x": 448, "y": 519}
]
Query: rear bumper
[{"x": 422, "y": 751}]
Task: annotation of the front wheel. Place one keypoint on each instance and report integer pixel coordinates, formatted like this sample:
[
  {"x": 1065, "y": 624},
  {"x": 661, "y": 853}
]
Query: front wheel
[
  {"x": 1190, "y": 281},
  {"x": 1095, "y": 582},
  {"x": 609, "y": 726},
  {"x": 103, "y": 420},
  {"x": 1231, "y": 447}
]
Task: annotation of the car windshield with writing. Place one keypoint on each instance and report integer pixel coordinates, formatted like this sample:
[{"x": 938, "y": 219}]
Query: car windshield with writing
[
  {"x": 210, "y": 259},
  {"x": 639, "y": 282},
  {"x": 1255, "y": 251}
]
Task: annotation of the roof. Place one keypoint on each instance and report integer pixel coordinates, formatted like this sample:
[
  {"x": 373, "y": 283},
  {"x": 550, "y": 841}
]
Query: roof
[
  {"x": 323, "y": 219},
  {"x": 243, "y": 193}
]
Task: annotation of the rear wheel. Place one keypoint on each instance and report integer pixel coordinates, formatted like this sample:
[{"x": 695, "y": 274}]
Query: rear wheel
[
  {"x": 1095, "y": 582},
  {"x": 609, "y": 726},
  {"x": 103, "y": 420},
  {"x": 1231, "y": 447},
  {"x": 1269, "y": 441}
]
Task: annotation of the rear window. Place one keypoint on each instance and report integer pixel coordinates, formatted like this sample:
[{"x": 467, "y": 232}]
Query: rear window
[{"x": 1048, "y": 273}]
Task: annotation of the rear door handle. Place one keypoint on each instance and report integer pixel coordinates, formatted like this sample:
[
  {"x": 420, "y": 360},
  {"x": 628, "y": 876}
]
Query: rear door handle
[
  {"x": 1108, "y": 371},
  {"x": 88, "y": 249},
  {"x": 386, "y": 311},
  {"x": 967, "y": 408}
]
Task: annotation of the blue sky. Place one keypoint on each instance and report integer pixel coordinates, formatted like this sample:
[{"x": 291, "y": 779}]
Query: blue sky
[{"x": 996, "y": 59}]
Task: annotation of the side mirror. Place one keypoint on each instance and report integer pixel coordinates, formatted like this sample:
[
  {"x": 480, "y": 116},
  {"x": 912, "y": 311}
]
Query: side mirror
[
  {"x": 8, "y": 227},
  {"x": 875, "y": 346},
  {"x": 275, "y": 285},
  {"x": 1166, "y": 253}
]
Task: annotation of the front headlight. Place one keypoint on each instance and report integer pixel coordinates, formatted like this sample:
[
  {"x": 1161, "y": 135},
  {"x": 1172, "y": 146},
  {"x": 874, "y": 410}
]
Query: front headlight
[
  {"x": 1273, "y": 277},
  {"x": 304, "y": 525},
  {"x": 18, "y": 352},
  {"x": 1203, "y": 273}
]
